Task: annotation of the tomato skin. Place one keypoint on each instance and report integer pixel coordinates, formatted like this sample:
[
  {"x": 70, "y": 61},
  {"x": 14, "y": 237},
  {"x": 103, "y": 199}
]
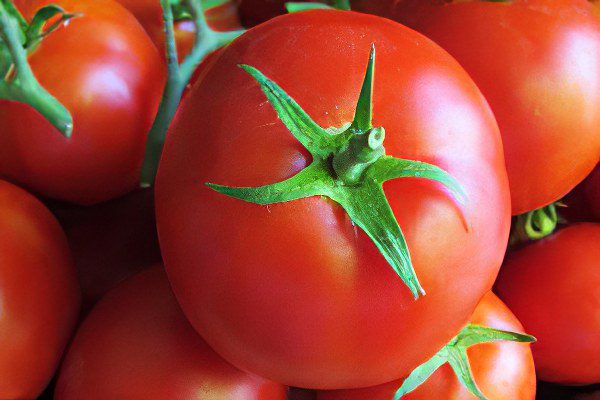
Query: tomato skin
[
  {"x": 149, "y": 14},
  {"x": 136, "y": 344},
  {"x": 110, "y": 241},
  {"x": 503, "y": 370},
  {"x": 537, "y": 64},
  {"x": 39, "y": 295},
  {"x": 295, "y": 292},
  {"x": 105, "y": 70},
  {"x": 552, "y": 287}
]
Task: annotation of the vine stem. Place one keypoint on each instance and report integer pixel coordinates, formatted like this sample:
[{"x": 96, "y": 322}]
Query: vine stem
[
  {"x": 24, "y": 87},
  {"x": 206, "y": 41}
]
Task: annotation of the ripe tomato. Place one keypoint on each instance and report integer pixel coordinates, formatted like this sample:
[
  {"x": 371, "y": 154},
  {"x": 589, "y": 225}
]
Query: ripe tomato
[
  {"x": 105, "y": 70},
  {"x": 149, "y": 12},
  {"x": 295, "y": 291},
  {"x": 110, "y": 241},
  {"x": 537, "y": 63},
  {"x": 39, "y": 296},
  {"x": 137, "y": 344},
  {"x": 503, "y": 370},
  {"x": 552, "y": 287}
]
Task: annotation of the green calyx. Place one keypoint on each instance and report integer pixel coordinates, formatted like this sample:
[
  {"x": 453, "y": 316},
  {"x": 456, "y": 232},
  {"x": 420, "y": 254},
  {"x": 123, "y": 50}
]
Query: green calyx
[
  {"x": 349, "y": 168},
  {"x": 455, "y": 354},
  {"x": 206, "y": 41},
  {"x": 17, "y": 38},
  {"x": 535, "y": 225}
]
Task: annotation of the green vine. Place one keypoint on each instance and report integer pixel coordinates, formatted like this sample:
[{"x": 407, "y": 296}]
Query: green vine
[
  {"x": 17, "y": 38},
  {"x": 206, "y": 41}
]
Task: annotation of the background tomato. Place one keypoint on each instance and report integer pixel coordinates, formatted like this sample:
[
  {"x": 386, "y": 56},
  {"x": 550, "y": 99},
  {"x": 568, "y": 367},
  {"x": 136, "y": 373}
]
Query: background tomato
[
  {"x": 110, "y": 241},
  {"x": 39, "y": 296},
  {"x": 295, "y": 291},
  {"x": 103, "y": 67},
  {"x": 136, "y": 344},
  {"x": 149, "y": 12},
  {"x": 502, "y": 370},
  {"x": 552, "y": 287},
  {"x": 254, "y": 12},
  {"x": 537, "y": 63}
]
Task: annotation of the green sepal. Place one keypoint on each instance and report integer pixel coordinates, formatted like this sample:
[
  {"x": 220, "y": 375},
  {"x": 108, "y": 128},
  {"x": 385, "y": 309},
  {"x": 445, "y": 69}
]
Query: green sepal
[
  {"x": 349, "y": 166},
  {"x": 313, "y": 180},
  {"x": 368, "y": 208},
  {"x": 455, "y": 354},
  {"x": 293, "y": 7},
  {"x": 535, "y": 225},
  {"x": 36, "y": 32},
  {"x": 315, "y": 139},
  {"x": 364, "y": 107}
]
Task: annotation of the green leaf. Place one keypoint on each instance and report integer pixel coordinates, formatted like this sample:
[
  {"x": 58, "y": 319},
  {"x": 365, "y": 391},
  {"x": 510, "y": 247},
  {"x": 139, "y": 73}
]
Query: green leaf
[
  {"x": 421, "y": 374},
  {"x": 314, "y": 138},
  {"x": 368, "y": 208},
  {"x": 313, "y": 180},
  {"x": 293, "y": 7},
  {"x": 455, "y": 353},
  {"x": 364, "y": 108}
]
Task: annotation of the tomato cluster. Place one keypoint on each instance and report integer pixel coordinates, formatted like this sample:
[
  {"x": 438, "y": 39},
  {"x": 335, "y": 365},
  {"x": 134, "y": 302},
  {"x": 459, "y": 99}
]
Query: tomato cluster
[{"x": 349, "y": 200}]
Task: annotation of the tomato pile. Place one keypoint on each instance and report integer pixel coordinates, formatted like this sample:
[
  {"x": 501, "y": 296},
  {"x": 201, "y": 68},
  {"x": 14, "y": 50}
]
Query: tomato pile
[{"x": 271, "y": 200}]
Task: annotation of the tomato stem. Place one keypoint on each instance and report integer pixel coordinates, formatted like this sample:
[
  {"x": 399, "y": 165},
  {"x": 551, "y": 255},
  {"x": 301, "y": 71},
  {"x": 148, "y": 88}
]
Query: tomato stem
[
  {"x": 19, "y": 82},
  {"x": 206, "y": 41}
]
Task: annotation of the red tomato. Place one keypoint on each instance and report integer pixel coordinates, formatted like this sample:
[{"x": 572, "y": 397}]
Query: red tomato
[
  {"x": 107, "y": 73},
  {"x": 552, "y": 287},
  {"x": 136, "y": 344},
  {"x": 39, "y": 296},
  {"x": 537, "y": 62},
  {"x": 110, "y": 241},
  {"x": 149, "y": 13},
  {"x": 502, "y": 370},
  {"x": 295, "y": 291}
]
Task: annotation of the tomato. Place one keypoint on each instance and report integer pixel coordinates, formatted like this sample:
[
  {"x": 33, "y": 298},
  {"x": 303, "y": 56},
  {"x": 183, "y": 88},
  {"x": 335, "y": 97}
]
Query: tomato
[
  {"x": 537, "y": 64},
  {"x": 105, "y": 70},
  {"x": 110, "y": 241},
  {"x": 39, "y": 295},
  {"x": 136, "y": 344},
  {"x": 149, "y": 12},
  {"x": 552, "y": 287},
  {"x": 295, "y": 291},
  {"x": 503, "y": 370}
]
